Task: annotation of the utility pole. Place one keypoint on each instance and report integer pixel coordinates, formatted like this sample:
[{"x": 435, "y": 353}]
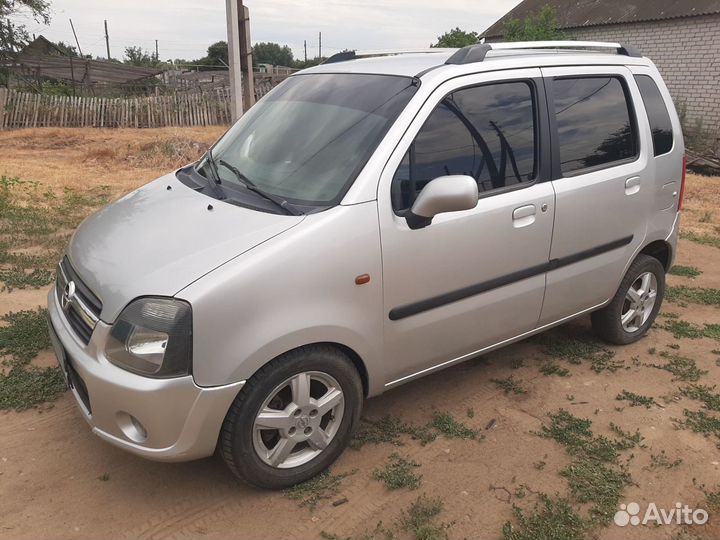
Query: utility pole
[
  {"x": 107, "y": 40},
  {"x": 305, "y": 47},
  {"x": 76, "y": 39},
  {"x": 319, "y": 44},
  {"x": 157, "y": 53},
  {"x": 233, "y": 32}
]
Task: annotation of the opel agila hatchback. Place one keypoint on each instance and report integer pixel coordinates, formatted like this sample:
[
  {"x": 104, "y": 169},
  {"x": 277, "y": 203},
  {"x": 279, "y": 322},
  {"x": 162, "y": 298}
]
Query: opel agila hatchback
[{"x": 370, "y": 221}]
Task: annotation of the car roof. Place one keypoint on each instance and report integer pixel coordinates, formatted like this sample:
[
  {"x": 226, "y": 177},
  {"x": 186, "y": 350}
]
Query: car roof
[{"x": 415, "y": 64}]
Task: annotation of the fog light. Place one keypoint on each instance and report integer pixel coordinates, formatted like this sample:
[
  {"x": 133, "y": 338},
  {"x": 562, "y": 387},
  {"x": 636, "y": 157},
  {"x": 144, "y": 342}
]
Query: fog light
[{"x": 131, "y": 427}]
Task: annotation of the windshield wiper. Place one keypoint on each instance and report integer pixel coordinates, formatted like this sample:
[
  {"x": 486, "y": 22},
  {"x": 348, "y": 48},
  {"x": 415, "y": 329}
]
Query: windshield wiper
[
  {"x": 249, "y": 184},
  {"x": 214, "y": 182}
]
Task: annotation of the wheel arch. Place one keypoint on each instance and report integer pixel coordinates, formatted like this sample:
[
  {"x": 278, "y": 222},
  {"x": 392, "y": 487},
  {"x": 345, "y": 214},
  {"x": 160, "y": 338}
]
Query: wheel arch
[{"x": 660, "y": 250}]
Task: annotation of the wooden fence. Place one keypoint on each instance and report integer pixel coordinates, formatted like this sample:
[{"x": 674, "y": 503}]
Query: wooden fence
[{"x": 26, "y": 110}]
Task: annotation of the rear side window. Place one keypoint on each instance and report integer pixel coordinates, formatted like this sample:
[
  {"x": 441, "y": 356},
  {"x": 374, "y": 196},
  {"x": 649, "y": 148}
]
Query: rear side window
[
  {"x": 487, "y": 132},
  {"x": 594, "y": 123},
  {"x": 658, "y": 115}
]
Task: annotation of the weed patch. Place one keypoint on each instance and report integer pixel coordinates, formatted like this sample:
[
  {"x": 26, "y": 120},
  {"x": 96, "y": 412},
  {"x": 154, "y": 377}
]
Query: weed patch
[
  {"x": 420, "y": 519},
  {"x": 699, "y": 422},
  {"x": 577, "y": 350},
  {"x": 693, "y": 295},
  {"x": 682, "y": 367},
  {"x": 551, "y": 368},
  {"x": 704, "y": 239},
  {"x": 398, "y": 473},
  {"x": 453, "y": 429},
  {"x": 704, "y": 393},
  {"x": 323, "y": 486},
  {"x": 661, "y": 461},
  {"x": 552, "y": 519},
  {"x": 509, "y": 385},
  {"x": 685, "y": 271},
  {"x": 636, "y": 400},
  {"x": 389, "y": 429}
]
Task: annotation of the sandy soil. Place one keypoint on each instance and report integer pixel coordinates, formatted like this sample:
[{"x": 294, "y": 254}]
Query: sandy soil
[{"x": 52, "y": 467}]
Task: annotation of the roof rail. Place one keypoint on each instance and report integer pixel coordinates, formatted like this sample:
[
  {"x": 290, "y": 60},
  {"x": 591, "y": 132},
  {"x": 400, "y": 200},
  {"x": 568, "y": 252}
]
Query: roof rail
[
  {"x": 354, "y": 55},
  {"x": 477, "y": 53}
]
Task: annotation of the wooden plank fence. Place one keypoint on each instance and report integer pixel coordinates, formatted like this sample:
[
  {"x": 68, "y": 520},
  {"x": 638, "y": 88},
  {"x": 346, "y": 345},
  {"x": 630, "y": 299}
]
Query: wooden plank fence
[{"x": 26, "y": 110}]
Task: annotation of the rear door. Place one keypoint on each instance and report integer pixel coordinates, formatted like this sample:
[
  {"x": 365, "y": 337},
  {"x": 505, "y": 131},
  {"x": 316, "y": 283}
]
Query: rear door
[{"x": 601, "y": 184}]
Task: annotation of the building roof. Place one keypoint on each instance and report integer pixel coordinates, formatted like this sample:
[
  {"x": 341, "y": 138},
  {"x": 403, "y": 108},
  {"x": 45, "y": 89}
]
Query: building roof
[
  {"x": 42, "y": 58},
  {"x": 582, "y": 13}
]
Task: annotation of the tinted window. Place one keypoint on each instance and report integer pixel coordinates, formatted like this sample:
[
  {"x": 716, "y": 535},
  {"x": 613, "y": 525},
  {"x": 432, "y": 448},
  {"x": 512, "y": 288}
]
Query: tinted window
[
  {"x": 593, "y": 122},
  {"x": 487, "y": 132},
  {"x": 657, "y": 114},
  {"x": 308, "y": 139}
]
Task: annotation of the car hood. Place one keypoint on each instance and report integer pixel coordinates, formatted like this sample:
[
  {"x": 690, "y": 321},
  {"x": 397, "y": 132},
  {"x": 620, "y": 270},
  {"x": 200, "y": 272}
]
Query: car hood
[{"x": 160, "y": 238}]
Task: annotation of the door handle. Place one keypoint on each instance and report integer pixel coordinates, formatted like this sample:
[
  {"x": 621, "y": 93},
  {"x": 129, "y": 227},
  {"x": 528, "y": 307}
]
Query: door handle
[
  {"x": 524, "y": 216},
  {"x": 632, "y": 185}
]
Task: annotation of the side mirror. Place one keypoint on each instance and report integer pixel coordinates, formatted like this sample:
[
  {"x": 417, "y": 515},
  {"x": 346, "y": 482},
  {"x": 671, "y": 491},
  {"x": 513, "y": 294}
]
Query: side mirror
[{"x": 443, "y": 194}]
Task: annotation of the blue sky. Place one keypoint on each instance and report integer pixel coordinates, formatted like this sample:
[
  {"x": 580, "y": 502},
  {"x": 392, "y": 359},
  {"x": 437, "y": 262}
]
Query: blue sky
[{"x": 185, "y": 28}]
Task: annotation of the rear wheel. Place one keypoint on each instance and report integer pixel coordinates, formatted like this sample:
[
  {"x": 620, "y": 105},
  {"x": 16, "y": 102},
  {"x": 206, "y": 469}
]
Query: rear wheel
[
  {"x": 293, "y": 418},
  {"x": 635, "y": 305}
]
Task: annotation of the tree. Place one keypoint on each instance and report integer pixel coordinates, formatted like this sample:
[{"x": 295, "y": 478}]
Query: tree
[
  {"x": 457, "y": 38},
  {"x": 540, "y": 26},
  {"x": 69, "y": 50},
  {"x": 137, "y": 56},
  {"x": 14, "y": 36},
  {"x": 272, "y": 53}
]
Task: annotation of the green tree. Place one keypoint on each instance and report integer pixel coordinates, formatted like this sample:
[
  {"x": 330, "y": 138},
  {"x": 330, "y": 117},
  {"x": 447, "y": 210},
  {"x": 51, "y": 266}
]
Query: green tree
[
  {"x": 540, "y": 26},
  {"x": 137, "y": 56},
  {"x": 69, "y": 50},
  {"x": 457, "y": 38},
  {"x": 272, "y": 53},
  {"x": 13, "y": 35},
  {"x": 217, "y": 54}
]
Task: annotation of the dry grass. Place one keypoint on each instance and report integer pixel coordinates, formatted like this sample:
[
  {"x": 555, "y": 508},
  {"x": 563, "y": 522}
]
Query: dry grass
[
  {"x": 701, "y": 214},
  {"x": 123, "y": 159}
]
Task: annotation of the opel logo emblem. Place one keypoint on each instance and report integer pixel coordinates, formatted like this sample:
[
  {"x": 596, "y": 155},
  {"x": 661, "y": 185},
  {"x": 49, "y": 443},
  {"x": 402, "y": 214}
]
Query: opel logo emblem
[{"x": 68, "y": 295}]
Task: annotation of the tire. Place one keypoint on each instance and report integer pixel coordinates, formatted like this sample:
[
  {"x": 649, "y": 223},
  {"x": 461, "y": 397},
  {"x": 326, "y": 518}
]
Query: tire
[
  {"x": 608, "y": 321},
  {"x": 257, "y": 453}
]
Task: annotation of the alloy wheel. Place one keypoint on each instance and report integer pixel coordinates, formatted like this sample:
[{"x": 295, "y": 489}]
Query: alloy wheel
[{"x": 639, "y": 302}]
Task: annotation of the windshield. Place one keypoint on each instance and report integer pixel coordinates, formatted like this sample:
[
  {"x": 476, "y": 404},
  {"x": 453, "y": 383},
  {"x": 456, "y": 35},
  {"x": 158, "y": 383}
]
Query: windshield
[{"x": 308, "y": 139}]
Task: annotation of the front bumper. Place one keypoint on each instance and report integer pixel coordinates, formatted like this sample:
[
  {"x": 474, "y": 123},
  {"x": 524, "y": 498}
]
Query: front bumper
[{"x": 160, "y": 419}]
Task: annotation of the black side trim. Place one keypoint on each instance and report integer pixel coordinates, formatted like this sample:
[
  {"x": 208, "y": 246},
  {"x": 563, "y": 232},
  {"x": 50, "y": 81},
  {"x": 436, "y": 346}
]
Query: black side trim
[{"x": 408, "y": 310}]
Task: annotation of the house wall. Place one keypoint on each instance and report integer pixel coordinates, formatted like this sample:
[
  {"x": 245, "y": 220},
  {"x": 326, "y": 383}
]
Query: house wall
[{"x": 687, "y": 53}]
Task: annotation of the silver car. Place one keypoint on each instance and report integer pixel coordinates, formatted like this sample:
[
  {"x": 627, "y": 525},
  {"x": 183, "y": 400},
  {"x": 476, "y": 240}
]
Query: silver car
[{"x": 372, "y": 220}]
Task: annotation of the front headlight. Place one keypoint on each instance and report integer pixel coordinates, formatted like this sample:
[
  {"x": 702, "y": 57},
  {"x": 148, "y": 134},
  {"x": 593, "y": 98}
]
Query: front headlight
[{"x": 153, "y": 337}]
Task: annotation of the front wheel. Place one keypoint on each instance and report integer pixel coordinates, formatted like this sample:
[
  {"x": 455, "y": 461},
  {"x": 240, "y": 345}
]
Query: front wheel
[
  {"x": 635, "y": 305},
  {"x": 293, "y": 418}
]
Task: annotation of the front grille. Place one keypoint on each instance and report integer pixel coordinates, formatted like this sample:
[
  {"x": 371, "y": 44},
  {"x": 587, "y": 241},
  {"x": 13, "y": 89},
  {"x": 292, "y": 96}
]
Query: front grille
[{"x": 83, "y": 308}]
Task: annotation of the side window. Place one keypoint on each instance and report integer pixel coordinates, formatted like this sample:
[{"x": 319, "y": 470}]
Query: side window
[
  {"x": 658, "y": 115},
  {"x": 594, "y": 122},
  {"x": 487, "y": 132}
]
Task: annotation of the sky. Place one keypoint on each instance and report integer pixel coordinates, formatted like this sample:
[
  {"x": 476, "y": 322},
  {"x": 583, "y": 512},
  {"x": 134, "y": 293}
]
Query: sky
[{"x": 185, "y": 28}]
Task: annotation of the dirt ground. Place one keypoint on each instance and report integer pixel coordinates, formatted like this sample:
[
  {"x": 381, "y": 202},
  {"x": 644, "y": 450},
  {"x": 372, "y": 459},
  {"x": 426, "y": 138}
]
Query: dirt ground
[{"x": 58, "y": 480}]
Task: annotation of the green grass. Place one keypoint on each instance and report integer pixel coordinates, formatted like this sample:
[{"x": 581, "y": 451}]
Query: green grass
[
  {"x": 661, "y": 461},
  {"x": 509, "y": 385},
  {"x": 323, "y": 486},
  {"x": 551, "y": 368},
  {"x": 683, "y": 329},
  {"x": 704, "y": 239},
  {"x": 38, "y": 222},
  {"x": 598, "y": 484},
  {"x": 704, "y": 393},
  {"x": 420, "y": 519},
  {"x": 551, "y": 519},
  {"x": 390, "y": 429},
  {"x": 699, "y": 422},
  {"x": 398, "y": 473},
  {"x": 682, "y": 368},
  {"x": 453, "y": 429},
  {"x": 23, "y": 335},
  {"x": 693, "y": 295},
  {"x": 576, "y": 350},
  {"x": 685, "y": 271},
  {"x": 636, "y": 400}
]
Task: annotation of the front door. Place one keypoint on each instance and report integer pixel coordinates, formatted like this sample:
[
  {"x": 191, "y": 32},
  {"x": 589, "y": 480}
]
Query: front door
[{"x": 473, "y": 278}]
